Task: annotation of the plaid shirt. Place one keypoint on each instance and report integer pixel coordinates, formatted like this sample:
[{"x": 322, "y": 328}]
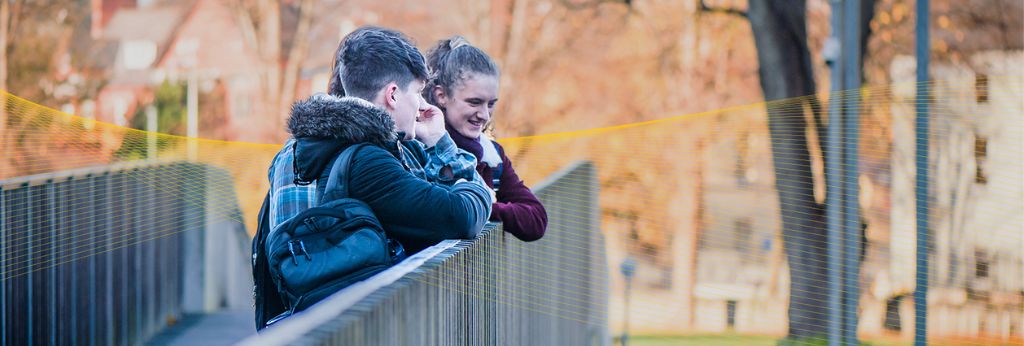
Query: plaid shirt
[{"x": 288, "y": 199}]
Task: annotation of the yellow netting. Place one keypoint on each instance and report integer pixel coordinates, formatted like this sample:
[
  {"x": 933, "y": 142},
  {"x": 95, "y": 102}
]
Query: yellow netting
[{"x": 692, "y": 200}]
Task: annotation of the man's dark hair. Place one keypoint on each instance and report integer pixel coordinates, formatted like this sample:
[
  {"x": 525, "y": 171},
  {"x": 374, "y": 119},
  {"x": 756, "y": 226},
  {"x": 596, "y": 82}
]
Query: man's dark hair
[{"x": 371, "y": 57}]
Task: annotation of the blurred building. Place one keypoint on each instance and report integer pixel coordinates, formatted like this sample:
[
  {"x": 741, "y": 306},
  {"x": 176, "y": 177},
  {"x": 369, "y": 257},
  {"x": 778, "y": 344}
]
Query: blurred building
[
  {"x": 977, "y": 196},
  {"x": 141, "y": 45},
  {"x": 739, "y": 282}
]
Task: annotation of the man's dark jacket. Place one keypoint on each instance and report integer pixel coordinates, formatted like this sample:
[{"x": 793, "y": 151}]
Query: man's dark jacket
[{"x": 388, "y": 175}]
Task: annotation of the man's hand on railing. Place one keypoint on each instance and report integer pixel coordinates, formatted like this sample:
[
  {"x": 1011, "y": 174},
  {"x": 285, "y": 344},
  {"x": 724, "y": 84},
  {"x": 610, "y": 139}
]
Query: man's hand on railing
[{"x": 494, "y": 197}]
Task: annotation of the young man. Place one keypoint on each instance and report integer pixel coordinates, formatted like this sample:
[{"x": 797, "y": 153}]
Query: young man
[
  {"x": 382, "y": 74},
  {"x": 418, "y": 183}
]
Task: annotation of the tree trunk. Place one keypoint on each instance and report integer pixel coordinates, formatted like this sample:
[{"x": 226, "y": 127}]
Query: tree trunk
[
  {"x": 296, "y": 55},
  {"x": 5, "y": 23},
  {"x": 5, "y": 19},
  {"x": 280, "y": 70},
  {"x": 269, "y": 36},
  {"x": 780, "y": 34},
  {"x": 786, "y": 71}
]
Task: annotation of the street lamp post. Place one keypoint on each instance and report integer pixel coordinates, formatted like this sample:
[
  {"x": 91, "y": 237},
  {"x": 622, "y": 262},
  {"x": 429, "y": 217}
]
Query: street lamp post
[
  {"x": 192, "y": 111},
  {"x": 151, "y": 130},
  {"x": 628, "y": 267}
]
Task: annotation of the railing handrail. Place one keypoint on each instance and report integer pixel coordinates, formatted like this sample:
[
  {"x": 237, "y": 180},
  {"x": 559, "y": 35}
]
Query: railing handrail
[
  {"x": 168, "y": 241},
  {"x": 83, "y": 172},
  {"x": 301, "y": 324},
  {"x": 322, "y": 314}
]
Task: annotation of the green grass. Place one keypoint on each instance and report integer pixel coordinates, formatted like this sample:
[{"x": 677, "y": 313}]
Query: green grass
[
  {"x": 696, "y": 340},
  {"x": 737, "y": 340},
  {"x": 746, "y": 340}
]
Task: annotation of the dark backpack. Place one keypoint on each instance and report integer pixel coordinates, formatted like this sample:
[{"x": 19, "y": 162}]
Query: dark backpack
[
  {"x": 266, "y": 299},
  {"x": 319, "y": 251}
]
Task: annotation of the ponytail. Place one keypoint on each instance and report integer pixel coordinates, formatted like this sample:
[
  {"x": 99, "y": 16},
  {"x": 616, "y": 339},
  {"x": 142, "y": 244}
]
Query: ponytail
[{"x": 451, "y": 61}]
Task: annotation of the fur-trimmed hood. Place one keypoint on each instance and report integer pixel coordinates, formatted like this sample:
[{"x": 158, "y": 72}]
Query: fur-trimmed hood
[
  {"x": 324, "y": 124},
  {"x": 349, "y": 119}
]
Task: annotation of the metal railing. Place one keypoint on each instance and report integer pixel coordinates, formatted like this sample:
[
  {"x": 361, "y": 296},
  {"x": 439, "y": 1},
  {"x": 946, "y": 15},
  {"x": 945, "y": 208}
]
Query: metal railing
[
  {"x": 110, "y": 255},
  {"x": 492, "y": 290}
]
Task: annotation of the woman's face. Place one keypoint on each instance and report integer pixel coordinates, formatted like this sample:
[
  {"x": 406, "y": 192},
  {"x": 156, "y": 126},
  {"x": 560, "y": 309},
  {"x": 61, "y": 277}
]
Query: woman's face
[{"x": 470, "y": 106}]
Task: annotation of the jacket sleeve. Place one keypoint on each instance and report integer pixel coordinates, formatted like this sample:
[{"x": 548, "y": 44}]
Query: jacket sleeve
[
  {"x": 417, "y": 210},
  {"x": 446, "y": 163},
  {"x": 518, "y": 208}
]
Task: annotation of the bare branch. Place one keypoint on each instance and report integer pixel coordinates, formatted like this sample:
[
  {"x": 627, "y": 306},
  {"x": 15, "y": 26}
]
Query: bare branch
[
  {"x": 576, "y": 5},
  {"x": 702, "y": 7},
  {"x": 16, "y": 15},
  {"x": 5, "y": 17},
  {"x": 297, "y": 54},
  {"x": 245, "y": 23}
]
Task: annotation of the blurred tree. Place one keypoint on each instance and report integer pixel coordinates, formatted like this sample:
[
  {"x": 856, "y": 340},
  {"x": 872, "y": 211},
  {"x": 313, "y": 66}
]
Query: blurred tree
[
  {"x": 5, "y": 24},
  {"x": 33, "y": 37},
  {"x": 279, "y": 30},
  {"x": 169, "y": 100},
  {"x": 5, "y": 19},
  {"x": 786, "y": 72}
]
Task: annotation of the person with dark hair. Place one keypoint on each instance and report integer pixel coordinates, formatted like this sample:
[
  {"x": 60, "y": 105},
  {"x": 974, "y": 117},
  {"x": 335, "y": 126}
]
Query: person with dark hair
[
  {"x": 464, "y": 84},
  {"x": 421, "y": 187},
  {"x": 381, "y": 74}
]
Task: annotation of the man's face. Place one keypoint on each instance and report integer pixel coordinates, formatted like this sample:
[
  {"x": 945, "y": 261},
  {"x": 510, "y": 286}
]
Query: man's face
[{"x": 405, "y": 106}]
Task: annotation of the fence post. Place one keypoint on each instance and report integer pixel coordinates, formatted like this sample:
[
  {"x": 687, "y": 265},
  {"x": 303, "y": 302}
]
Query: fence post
[
  {"x": 193, "y": 248},
  {"x": 28, "y": 264},
  {"x": 51, "y": 288},
  {"x": 921, "y": 100},
  {"x": 3, "y": 264}
]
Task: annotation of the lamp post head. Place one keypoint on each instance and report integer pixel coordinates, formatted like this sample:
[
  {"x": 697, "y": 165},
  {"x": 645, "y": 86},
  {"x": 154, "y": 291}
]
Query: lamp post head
[{"x": 628, "y": 267}]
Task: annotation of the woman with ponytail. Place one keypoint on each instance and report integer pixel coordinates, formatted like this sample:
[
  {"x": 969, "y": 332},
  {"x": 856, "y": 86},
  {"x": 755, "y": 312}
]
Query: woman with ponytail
[{"x": 464, "y": 84}]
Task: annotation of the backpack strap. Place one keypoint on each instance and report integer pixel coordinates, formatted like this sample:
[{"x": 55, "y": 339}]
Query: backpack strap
[
  {"x": 267, "y": 300},
  {"x": 496, "y": 173},
  {"x": 337, "y": 188},
  {"x": 337, "y": 180}
]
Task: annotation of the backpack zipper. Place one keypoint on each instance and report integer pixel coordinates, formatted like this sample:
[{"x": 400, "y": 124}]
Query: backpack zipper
[
  {"x": 311, "y": 225},
  {"x": 302, "y": 246},
  {"x": 291, "y": 249}
]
